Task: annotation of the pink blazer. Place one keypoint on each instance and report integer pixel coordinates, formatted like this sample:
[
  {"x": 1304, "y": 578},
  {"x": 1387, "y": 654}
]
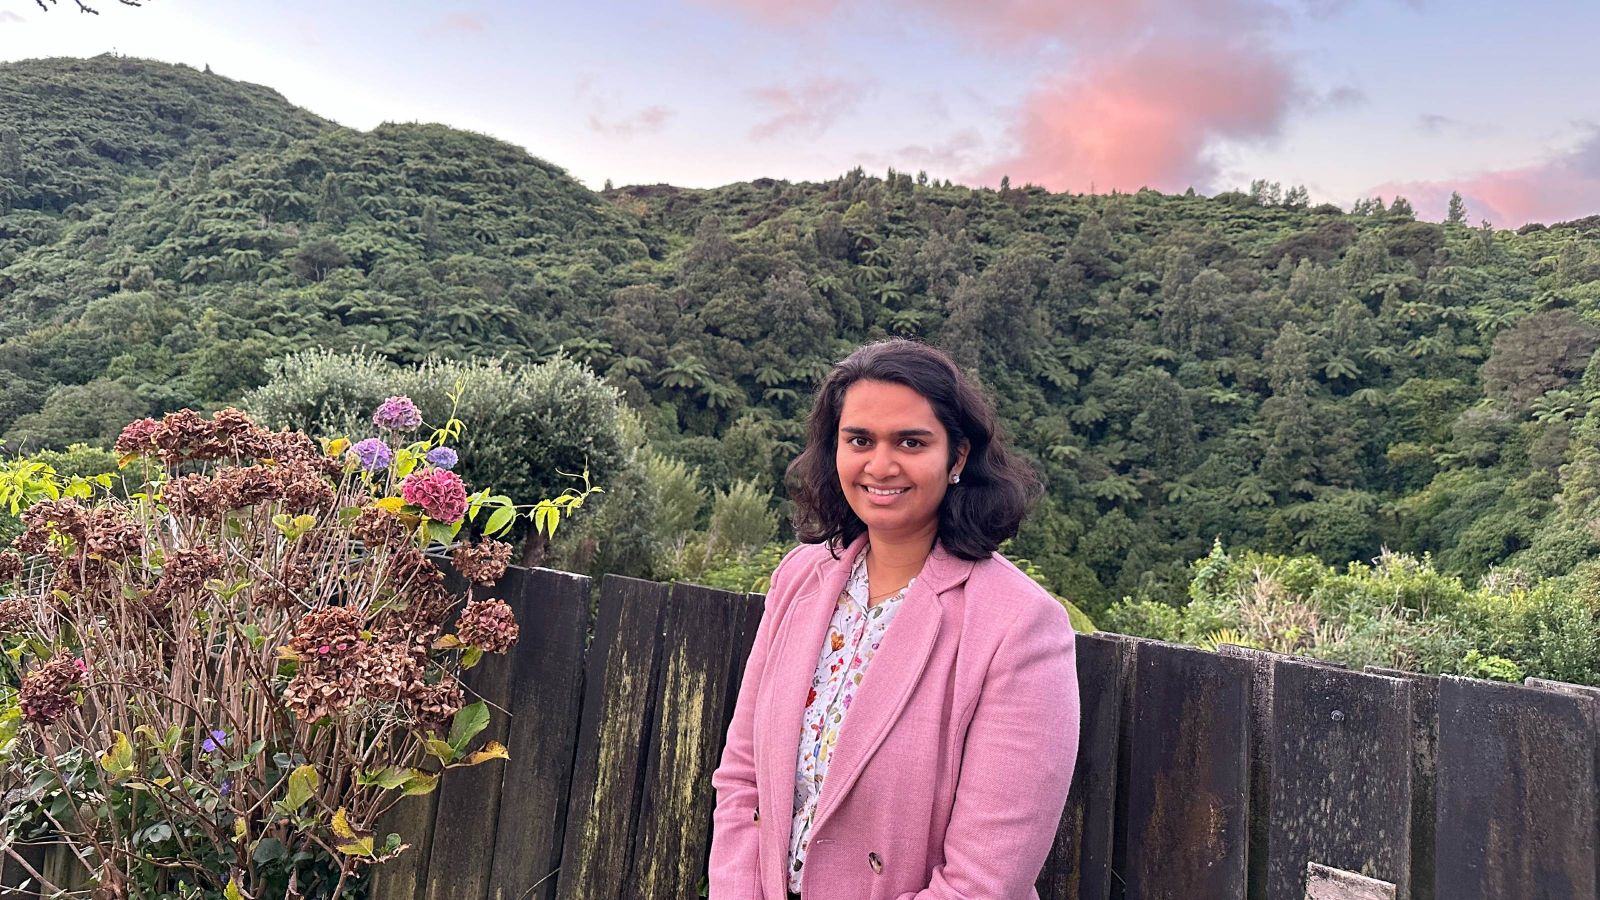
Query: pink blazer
[{"x": 951, "y": 771}]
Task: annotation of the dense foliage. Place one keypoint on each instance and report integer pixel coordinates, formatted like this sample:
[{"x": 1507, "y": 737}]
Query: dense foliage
[{"x": 1298, "y": 380}]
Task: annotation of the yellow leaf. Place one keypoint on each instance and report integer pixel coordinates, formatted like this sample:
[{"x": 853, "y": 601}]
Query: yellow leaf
[
  {"x": 239, "y": 829},
  {"x": 232, "y": 892},
  {"x": 338, "y": 446},
  {"x": 447, "y": 642},
  {"x": 118, "y": 761},
  {"x": 341, "y": 825},
  {"x": 361, "y": 847},
  {"x": 392, "y": 504},
  {"x": 491, "y": 750},
  {"x": 287, "y": 652}
]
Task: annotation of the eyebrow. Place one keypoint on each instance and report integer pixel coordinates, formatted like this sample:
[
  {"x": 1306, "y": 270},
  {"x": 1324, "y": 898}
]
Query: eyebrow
[{"x": 854, "y": 430}]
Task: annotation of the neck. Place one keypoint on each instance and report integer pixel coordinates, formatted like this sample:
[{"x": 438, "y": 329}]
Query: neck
[{"x": 898, "y": 557}]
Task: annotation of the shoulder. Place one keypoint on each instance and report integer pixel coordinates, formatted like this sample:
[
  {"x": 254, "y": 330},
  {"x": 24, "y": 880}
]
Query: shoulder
[
  {"x": 796, "y": 567},
  {"x": 997, "y": 582}
]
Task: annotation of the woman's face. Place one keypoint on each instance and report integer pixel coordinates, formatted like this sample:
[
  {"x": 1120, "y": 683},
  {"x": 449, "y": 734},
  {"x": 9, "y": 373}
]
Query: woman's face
[{"x": 893, "y": 459}]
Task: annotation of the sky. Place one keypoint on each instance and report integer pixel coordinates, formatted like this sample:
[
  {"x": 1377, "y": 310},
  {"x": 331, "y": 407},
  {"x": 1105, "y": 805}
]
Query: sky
[{"x": 1351, "y": 98}]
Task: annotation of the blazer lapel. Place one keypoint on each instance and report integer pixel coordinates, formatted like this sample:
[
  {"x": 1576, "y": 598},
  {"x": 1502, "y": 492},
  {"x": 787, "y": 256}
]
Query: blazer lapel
[
  {"x": 790, "y": 677},
  {"x": 891, "y": 676}
]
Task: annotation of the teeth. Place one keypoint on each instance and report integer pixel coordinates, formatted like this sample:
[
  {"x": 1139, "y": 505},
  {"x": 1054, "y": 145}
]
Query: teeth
[{"x": 873, "y": 490}]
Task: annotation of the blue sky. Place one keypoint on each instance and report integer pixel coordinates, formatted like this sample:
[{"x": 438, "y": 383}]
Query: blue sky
[{"x": 1350, "y": 97}]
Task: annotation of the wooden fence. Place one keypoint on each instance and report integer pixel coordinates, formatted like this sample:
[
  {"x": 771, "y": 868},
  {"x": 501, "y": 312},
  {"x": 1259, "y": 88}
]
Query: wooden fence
[{"x": 1200, "y": 775}]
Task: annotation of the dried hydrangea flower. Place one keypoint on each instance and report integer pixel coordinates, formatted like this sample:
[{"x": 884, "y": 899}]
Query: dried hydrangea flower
[
  {"x": 488, "y": 625},
  {"x": 373, "y": 454},
  {"x": 397, "y": 414},
  {"x": 137, "y": 437},
  {"x": 483, "y": 563},
  {"x": 16, "y": 616},
  {"x": 47, "y": 690},
  {"x": 442, "y": 458},
  {"x": 440, "y": 494},
  {"x": 10, "y": 565},
  {"x": 377, "y": 527}
]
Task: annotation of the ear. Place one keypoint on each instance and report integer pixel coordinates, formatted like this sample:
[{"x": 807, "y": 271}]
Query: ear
[{"x": 961, "y": 456}]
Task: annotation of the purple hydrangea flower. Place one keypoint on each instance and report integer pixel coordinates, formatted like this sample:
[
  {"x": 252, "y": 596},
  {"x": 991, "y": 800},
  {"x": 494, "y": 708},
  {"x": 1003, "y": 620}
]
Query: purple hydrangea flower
[
  {"x": 373, "y": 454},
  {"x": 397, "y": 414},
  {"x": 217, "y": 740},
  {"x": 442, "y": 458}
]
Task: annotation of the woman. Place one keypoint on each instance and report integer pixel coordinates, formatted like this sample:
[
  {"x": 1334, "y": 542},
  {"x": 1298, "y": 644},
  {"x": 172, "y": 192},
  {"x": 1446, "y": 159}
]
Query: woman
[{"x": 930, "y": 760}]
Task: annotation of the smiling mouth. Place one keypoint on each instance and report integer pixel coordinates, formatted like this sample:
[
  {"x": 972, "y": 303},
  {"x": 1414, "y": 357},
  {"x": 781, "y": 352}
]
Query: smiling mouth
[{"x": 884, "y": 492}]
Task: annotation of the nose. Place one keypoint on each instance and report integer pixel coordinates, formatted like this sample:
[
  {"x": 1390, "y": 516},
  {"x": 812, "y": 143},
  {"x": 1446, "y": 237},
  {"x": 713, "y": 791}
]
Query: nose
[{"x": 881, "y": 464}]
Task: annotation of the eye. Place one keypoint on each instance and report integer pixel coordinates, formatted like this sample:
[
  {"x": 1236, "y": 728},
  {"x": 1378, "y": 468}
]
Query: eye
[
  {"x": 913, "y": 443},
  {"x": 851, "y": 441}
]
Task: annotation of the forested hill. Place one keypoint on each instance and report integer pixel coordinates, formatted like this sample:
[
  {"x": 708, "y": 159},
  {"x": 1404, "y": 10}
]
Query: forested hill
[
  {"x": 1180, "y": 368},
  {"x": 75, "y": 131}
]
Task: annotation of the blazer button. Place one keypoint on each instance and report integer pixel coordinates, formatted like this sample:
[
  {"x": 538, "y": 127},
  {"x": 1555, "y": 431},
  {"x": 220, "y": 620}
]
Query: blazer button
[
  {"x": 876, "y": 861},
  {"x": 757, "y": 814}
]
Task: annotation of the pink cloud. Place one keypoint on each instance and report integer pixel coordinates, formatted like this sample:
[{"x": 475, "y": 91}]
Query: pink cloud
[
  {"x": 807, "y": 109},
  {"x": 646, "y": 121},
  {"x": 1564, "y": 186},
  {"x": 1147, "y": 117}
]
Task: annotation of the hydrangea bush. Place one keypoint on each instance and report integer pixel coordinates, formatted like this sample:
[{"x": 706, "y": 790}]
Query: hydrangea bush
[{"x": 217, "y": 684}]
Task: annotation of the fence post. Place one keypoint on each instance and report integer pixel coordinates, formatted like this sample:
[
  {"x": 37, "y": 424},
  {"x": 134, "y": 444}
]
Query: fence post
[
  {"x": 608, "y": 777},
  {"x": 1340, "y": 784},
  {"x": 1517, "y": 804},
  {"x": 671, "y": 851},
  {"x": 1079, "y": 866},
  {"x": 546, "y": 703},
  {"x": 1184, "y": 833}
]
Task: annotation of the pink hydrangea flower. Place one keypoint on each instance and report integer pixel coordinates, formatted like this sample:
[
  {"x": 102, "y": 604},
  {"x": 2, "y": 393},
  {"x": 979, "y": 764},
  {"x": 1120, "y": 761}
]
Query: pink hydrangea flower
[
  {"x": 440, "y": 493},
  {"x": 397, "y": 414}
]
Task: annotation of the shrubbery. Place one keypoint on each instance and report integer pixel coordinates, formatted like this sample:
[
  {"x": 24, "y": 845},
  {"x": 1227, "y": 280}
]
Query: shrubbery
[
  {"x": 217, "y": 681},
  {"x": 1399, "y": 611}
]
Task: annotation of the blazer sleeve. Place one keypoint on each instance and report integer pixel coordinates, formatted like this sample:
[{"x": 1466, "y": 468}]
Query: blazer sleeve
[
  {"x": 1016, "y": 766},
  {"x": 733, "y": 870}
]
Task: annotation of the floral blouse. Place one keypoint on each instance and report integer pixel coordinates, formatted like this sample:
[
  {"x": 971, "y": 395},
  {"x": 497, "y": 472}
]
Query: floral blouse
[{"x": 853, "y": 638}]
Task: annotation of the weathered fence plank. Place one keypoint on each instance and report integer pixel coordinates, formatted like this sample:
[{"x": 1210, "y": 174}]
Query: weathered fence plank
[
  {"x": 14, "y": 875},
  {"x": 1184, "y": 832},
  {"x": 1260, "y": 796},
  {"x": 1517, "y": 805},
  {"x": 462, "y": 851},
  {"x": 1424, "y": 690},
  {"x": 669, "y": 858},
  {"x": 1340, "y": 783},
  {"x": 546, "y": 699},
  {"x": 1079, "y": 866},
  {"x": 608, "y": 777}
]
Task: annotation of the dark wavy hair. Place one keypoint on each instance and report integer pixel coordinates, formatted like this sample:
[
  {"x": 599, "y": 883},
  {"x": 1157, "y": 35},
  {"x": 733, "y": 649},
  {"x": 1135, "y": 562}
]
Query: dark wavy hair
[{"x": 977, "y": 514}]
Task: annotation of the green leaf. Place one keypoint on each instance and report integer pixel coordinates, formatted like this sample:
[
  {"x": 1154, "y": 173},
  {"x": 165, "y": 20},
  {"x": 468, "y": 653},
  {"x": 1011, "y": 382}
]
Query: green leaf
[
  {"x": 471, "y": 657},
  {"x": 302, "y": 785},
  {"x": 441, "y": 749},
  {"x": 469, "y": 720},
  {"x": 500, "y": 521},
  {"x": 439, "y": 532},
  {"x": 393, "y": 777}
]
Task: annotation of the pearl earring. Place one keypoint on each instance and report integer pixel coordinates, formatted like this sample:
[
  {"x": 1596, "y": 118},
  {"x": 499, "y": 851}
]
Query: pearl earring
[{"x": 956, "y": 478}]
